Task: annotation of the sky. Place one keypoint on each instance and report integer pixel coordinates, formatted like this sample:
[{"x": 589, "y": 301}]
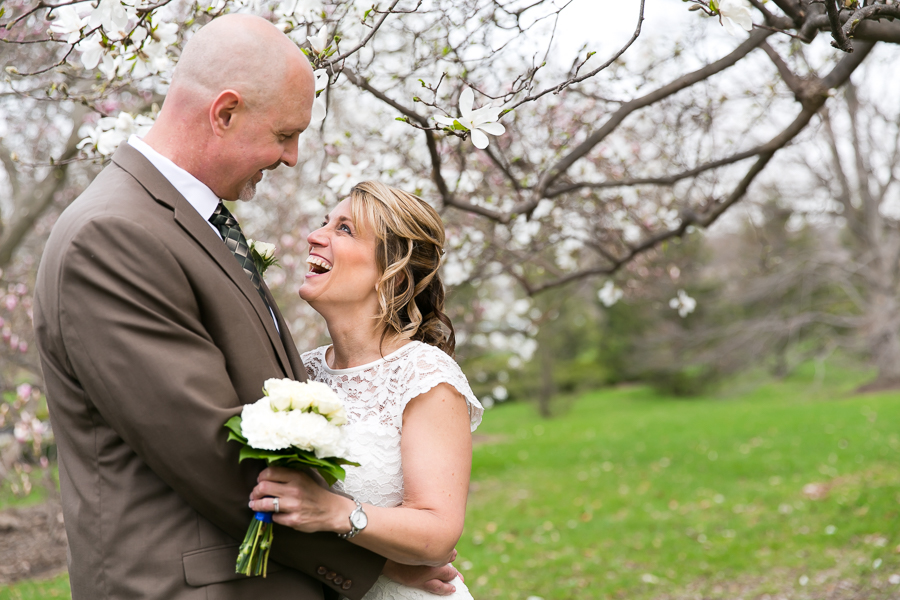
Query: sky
[{"x": 606, "y": 25}]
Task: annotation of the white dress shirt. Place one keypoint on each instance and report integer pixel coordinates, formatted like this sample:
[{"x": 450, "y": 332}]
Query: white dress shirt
[{"x": 197, "y": 193}]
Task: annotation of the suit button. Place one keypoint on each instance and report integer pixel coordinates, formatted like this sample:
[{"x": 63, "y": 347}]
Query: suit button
[
  {"x": 338, "y": 580},
  {"x": 331, "y": 575},
  {"x": 321, "y": 570},
  {"x": 347, "y": 585}
]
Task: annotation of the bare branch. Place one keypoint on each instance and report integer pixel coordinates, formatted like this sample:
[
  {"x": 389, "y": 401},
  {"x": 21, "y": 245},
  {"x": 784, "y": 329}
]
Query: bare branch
[
  {"x": 755, "y": 39},
  {"x": 41, "y": 196},
  {"x": 837, "y": 32},
  {"x": 561, "y": 86}
]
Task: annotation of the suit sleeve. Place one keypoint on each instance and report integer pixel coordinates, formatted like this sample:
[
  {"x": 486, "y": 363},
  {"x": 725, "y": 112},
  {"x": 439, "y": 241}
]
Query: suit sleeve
[{"x": 130, "y": 324}]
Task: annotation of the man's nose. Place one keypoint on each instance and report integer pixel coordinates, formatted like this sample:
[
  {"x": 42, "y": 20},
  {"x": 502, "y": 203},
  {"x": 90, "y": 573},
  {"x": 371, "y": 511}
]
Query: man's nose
[{"x": 289, "y": 156}]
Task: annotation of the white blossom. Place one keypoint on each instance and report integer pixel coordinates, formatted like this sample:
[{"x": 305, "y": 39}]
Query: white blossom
[
  {"x": 319, "y": 41},
  {"x": 477, "y": 121},
  {"x": 91, "y": 51},
  {"x": 318, "y": 109},
  {"x": 112, "y": 16},
  {"x": 346, "y": 174},
  {"x": 164, "y": 33},
  {"x": 734, "y": 14},
  {"x": 151, "y": 59},
  {"x": 609, "y": 294},
  {"x": 112, "y": 131},
  {"x": 66, "y": 21},
  {"x": 684, "y": 303},
  {"x": 110, "y": 66}
]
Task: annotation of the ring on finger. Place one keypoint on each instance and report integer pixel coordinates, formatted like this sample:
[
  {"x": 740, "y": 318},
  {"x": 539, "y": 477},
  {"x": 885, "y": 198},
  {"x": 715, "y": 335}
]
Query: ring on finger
[{"x": 275, "y": 504}]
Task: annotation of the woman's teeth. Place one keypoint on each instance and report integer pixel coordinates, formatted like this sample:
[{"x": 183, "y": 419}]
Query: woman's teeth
[{"x": 318, "y": 265}]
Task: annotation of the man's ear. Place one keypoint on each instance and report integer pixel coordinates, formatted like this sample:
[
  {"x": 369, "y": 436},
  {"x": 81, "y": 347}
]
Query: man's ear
[{"x": 222, "y": 111}]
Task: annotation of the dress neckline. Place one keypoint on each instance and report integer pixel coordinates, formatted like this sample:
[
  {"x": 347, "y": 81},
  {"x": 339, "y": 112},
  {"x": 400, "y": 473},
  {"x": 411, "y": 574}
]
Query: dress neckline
[{"x": 390, "y": 357}]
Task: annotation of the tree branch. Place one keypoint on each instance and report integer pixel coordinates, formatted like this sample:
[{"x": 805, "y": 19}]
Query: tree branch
[
  {"x": 41, "y": 196},
  {"x": 554, "y": 172}
]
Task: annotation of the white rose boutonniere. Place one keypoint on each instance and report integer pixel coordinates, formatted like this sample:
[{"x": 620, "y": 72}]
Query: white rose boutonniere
[{"x": 263, "y": 254}]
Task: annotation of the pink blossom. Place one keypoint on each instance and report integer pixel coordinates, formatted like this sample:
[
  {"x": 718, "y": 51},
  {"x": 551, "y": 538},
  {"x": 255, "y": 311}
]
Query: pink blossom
[
  {"x": 10, "y": 302},
  {"x": 24, "y": 391}
]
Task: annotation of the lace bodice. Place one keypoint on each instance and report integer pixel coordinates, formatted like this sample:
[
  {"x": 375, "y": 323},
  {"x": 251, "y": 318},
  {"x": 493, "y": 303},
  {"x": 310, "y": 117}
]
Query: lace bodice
[{"x": 375, "y": 396}]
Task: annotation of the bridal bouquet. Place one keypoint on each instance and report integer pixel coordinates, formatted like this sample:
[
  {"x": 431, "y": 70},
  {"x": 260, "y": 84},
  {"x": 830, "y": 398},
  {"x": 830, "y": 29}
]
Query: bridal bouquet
[{"x": 294, "y": 425}]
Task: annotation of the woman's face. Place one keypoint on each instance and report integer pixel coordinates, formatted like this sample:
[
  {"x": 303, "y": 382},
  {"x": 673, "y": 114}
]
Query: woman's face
[{"x": 342, "y": 268}]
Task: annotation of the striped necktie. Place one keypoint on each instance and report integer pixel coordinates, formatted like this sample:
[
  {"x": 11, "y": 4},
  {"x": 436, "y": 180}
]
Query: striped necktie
[{"x": 231, "y": 233}]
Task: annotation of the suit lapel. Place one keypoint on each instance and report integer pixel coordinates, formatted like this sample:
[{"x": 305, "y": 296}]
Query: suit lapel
[
  {"x": 190, "y": 220},
  {"x": 296, "y": 369}
]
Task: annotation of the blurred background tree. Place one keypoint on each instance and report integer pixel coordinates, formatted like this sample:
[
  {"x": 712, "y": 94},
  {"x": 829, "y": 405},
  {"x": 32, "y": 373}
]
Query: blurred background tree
[{"x": 577, "y": 196}]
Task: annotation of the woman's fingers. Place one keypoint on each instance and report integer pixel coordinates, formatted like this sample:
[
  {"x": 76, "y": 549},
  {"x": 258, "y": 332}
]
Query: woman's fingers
[{"x": 278, "y": 474}]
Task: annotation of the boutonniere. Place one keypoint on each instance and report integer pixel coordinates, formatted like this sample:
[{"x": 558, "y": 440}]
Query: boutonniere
[{"x": 263, "y": 255}]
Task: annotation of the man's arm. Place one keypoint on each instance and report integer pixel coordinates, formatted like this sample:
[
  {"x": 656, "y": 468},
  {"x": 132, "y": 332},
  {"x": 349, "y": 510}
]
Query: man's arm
[{"x": 130, "y": 324}]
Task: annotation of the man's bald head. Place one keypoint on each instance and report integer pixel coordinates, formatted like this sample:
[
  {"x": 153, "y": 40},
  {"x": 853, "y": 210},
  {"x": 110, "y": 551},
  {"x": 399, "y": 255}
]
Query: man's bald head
[
  {"x": 244, "y": 53},
  {"x": 241, "y": 95}
]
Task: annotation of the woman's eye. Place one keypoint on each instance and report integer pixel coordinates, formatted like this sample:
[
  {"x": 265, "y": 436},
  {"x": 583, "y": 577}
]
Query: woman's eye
[{"x": 345, "y": 227}]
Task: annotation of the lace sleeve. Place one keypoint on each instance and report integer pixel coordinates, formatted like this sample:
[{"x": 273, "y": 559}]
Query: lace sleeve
[{"x": 432, "y": 367}]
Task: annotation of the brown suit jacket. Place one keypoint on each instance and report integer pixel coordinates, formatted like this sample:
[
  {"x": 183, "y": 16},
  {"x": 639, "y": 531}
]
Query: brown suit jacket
[{"x": 151, "y": 337}]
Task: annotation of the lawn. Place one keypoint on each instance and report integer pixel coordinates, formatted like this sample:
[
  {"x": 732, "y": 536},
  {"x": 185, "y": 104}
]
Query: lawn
[
  {"x": 789, "y": 488},
  {"x": 634, "y": 495}
]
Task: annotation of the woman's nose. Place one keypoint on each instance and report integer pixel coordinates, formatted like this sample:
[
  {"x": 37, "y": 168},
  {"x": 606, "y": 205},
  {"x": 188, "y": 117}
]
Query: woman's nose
[{"x": 317, "y": 237}]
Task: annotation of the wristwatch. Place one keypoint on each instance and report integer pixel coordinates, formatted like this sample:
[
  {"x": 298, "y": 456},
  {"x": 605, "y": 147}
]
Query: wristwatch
[{"x": 358, "y": 522}]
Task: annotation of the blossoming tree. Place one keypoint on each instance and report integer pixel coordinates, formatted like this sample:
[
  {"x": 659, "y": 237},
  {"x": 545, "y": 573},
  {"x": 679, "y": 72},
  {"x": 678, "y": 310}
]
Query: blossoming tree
[{"x": 548, "y": 169}]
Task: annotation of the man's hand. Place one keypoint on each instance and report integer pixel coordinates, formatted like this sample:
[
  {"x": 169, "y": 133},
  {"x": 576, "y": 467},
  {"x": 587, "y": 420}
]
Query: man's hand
[{"x": 435, "y": 580}]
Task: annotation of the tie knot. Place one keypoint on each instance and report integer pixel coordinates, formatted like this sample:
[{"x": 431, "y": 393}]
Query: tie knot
[{"x": 222, "y": 217}]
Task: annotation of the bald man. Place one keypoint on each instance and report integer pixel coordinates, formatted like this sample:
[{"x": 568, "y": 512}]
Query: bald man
[{"x": 153, "y": 331}]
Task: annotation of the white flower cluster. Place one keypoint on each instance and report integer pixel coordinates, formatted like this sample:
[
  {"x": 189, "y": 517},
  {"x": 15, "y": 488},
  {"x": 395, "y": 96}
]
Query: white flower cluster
[
  {"x": 112, "y": 131},
  {"x": 126, "y": 47},
  {"x": 683, "y": 303},
  {"x": 609, "y": 294},
  {"x": 307, "y": 416}
]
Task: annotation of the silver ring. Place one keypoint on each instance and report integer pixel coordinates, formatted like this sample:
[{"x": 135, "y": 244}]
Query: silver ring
[{"x": 275, "y": 503}]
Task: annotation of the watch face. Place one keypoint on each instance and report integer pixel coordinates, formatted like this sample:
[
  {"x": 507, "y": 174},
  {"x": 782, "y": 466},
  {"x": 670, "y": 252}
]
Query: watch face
[{"x": 358, "y": 519}]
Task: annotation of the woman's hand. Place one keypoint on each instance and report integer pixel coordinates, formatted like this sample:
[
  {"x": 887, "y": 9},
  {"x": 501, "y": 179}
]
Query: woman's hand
[{"x": 302, "y": 503}]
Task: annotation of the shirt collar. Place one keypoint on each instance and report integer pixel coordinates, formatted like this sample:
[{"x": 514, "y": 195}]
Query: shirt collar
[{"x": 194, "y": 191}]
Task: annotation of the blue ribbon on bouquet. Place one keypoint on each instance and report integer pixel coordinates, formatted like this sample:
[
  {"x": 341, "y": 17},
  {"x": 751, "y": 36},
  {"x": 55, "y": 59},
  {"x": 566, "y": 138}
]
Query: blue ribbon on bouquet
[{"x": 265, "y": 517}]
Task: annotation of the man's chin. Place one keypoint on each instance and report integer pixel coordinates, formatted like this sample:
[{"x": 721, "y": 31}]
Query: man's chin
[{"x": 248, "y": 191}]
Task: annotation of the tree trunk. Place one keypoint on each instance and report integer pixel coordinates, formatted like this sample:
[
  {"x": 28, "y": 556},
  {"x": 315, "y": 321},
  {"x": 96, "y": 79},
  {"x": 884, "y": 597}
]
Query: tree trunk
[
  {"x": 545, "y": 394},
  {"x": 884, "y": 339}
]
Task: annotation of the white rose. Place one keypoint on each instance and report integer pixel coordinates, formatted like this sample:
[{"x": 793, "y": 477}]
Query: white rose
[
  {"x": 324, "y": 400},
  {"x": 304, "y": 429},
  {"x": 264, "y": 429},
  {"x": 330, "y": 442},
  {"x": 279, "y": 392},
  {"x": 265, "y": 250},
  {"x": 338, "y": 417}
]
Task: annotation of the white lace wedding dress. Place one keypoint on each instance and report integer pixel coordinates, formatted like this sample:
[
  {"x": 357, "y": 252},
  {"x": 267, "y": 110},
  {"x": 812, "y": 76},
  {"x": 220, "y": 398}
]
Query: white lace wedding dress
[{"x": 375, "y": 396}]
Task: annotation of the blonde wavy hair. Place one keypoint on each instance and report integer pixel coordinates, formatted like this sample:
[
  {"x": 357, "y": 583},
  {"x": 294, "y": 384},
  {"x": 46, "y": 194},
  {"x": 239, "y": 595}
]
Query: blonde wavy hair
[{"x": 408, "y": 252}]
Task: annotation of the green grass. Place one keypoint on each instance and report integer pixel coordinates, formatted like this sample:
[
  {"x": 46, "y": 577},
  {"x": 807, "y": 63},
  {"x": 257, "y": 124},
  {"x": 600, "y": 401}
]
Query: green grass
[
  {"x": 58, "y": 587},
  {"x": 630, "y": 494}
]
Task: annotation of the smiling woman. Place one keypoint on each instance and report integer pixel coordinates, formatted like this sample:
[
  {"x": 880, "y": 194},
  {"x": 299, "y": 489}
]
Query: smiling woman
[
  {"x": 374, "y": 277},
  {"x": 386, "y": 244}
]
